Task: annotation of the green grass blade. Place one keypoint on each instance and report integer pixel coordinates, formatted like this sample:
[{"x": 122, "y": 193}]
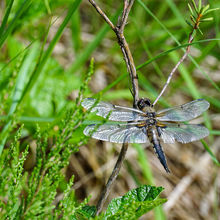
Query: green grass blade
[
  {"x": 18, "y": 92},
  {"x": 145, "y": 46},
  {"x": 5, "y": 18},
  {"x": 178, "y": 43},
  {"x": 123, "y": 76},
  {"x": 52, "y": 44},
  {"x": 215, "y": 132},
  {"x": 13, "y": 23},
  {"x": 16, "y": 56},
  {"x": 47, "y": 5},
  {"x": 207, "y": 148},
  {"x": 173, "y": 49},
  {"x": 145, "y": 167},
  {"x": 22, "y": 77},
  {"x": 84, "y": 56},
  {"x": 158, "y": 21},
  {"x": 176, "y": 12},
  {"x": 144, "y": 164},
  {"x": 75, "y": 29},
  {"x": 111, "y": 85},
  {"x": 30, "y": 119}
]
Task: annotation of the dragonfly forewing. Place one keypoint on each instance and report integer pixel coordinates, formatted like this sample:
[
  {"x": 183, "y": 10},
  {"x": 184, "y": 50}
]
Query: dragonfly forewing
[
  {"x": 185, "y": 112},
  {"x": 117, "y": 133},
  {"x": 117, "y": 113}
]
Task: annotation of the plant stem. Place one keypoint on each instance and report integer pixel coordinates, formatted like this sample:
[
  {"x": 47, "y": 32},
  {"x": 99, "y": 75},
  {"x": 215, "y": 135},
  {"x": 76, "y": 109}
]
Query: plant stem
[
  {"x": 191, "y": 38},
  {"x": 111, "y": 179},
  {"x": 119, "y": 31}
]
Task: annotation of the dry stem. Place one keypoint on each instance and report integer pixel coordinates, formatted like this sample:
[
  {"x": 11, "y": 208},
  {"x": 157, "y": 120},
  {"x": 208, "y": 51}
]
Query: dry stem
[
  {"x": 191, "y": 38},
  {"x": 119, "y": 31},
  {"x": 111, "y": 179}
]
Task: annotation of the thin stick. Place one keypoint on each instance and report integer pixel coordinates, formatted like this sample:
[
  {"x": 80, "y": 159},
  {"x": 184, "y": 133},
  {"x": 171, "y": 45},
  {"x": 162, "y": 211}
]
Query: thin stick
[
  {"x": 191, "y": 38},
  {"x": 119, "y": 31},
  {"x": 111, "y": 179},
  {"x": 175, "y": 68},
  {"x": 99, "y": 10}
]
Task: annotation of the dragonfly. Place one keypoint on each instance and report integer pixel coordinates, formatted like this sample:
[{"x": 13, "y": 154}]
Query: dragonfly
[{"x": 145, "y": 125}]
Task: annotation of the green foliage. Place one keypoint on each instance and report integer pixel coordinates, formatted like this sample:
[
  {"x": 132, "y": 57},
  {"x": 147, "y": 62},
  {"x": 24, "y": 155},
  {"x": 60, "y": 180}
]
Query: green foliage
[
  {"x": 198, "y": 13},
  {"x": 134, "y": 204},
  {"x": 33, "y": 194}
]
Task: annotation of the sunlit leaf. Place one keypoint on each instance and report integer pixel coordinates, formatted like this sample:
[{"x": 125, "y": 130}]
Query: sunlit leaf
[{"x": 135, "y": 203}]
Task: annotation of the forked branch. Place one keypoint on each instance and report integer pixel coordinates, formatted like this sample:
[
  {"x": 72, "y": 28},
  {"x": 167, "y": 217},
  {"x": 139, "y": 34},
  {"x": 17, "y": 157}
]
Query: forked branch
[
  {"x": 119, "y": 31},
  {"x": 197, "y": 16}
]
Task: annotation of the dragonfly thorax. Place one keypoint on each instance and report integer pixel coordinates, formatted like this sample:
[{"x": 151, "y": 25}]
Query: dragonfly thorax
[
  {"x": 145, "y": 105},
  {"x": 150, "y": 122}
]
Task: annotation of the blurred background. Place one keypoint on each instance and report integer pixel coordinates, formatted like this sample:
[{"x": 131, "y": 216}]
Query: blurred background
[{"x": 154, "y": 27}]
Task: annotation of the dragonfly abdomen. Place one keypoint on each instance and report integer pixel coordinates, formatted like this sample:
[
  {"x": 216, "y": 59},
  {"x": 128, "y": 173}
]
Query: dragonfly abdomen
[{"x": 152, "y": 134}]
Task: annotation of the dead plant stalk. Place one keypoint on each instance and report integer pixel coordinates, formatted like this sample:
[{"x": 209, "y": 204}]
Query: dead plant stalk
[{"x": 119, "y": 31}]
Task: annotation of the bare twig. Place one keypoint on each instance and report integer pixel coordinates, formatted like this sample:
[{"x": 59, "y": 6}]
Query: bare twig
[
  {"x": 195, "y": 26},
  {"x": 175, "y": 68},
  {"x": 111, "y": 179},
  {"x": 126, "y": 11},
  {"x": 99, "y": 10},
  {"x": 119, "y": 31}
]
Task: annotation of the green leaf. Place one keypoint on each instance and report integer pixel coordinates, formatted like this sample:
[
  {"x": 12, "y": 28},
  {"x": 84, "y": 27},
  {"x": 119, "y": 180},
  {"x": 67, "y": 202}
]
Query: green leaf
[
  {"x": 210, "y": 10},
  {"x": 84, "y": 56},
  {"x": 15, "y": 20},
  {"x": 87, "y": 211},
  {"x": 191, "y": 11},
  {"x": 200, "y": 5},
  {"x": 18, "y": 91},
  {"x": 207, "y": 19},
  {"x": 194, "y": 5},
  {"x": 214, "y": 159},
  {"x": 73, "y": 7},
  {"x": 135, "y": 203},
  {"x": 5, "y": 18},
  {"x": 205, "y": 9}
]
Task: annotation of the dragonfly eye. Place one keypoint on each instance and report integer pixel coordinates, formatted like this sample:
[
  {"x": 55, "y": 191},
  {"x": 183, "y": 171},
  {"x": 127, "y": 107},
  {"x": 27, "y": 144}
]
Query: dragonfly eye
[{"x": 142, "y": 103}]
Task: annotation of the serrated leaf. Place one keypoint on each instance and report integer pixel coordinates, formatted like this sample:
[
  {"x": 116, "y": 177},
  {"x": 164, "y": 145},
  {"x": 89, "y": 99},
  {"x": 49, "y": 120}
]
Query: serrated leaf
[
  {"x": 87, "y": 211},
  {"x": 135, "y": 203}
]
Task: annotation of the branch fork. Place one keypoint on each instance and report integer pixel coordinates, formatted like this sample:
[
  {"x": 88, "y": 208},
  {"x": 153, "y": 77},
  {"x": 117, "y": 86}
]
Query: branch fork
[{"x": 119, "y": 31}]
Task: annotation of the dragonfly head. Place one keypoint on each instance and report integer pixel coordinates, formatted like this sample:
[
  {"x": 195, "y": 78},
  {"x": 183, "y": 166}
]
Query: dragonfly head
[{"x": 144, "y": 103}]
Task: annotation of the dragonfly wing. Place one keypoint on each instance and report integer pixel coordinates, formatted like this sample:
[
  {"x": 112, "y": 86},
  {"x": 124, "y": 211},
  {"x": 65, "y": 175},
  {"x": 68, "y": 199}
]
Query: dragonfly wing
[
  {"x": 183, "y": 112},
  {"x": 118, "y": 113},
  {"x": 183, "y": 133},
  {"x": 118, "y": 133}
]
